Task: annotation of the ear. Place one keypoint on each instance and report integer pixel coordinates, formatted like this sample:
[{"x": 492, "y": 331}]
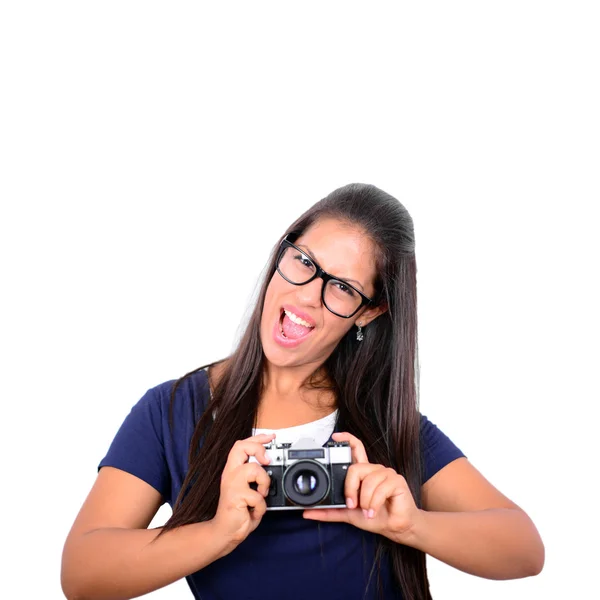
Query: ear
[{"x": 370, "y": 314}]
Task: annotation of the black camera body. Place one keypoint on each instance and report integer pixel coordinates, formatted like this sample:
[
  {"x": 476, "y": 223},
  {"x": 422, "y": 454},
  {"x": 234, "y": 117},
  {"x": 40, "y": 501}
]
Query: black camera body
[{"x": 305, "y": 475}]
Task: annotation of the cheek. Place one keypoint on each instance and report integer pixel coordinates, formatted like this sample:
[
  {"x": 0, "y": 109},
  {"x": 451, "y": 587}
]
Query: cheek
[
  {"x": 271, "y": 297},
  {"x": 272, "y": 291},
  {"x": 335, "y": 328}
]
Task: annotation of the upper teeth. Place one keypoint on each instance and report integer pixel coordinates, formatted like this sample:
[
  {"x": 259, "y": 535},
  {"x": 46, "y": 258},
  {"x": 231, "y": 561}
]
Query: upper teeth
[{"x": 296, "y": 319}]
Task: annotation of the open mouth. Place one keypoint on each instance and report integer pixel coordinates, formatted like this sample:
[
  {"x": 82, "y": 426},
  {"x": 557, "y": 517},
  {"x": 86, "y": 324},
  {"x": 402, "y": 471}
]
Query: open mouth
[{"x": 292, "y": 327}]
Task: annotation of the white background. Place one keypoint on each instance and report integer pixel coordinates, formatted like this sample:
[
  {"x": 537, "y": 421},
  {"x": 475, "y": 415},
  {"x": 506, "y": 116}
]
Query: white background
[{"x": 152, "y": 153}]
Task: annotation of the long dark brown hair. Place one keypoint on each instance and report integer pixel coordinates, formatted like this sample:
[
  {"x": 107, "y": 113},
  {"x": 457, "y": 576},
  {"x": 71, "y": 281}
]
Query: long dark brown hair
[{"x": 375, "y": 381}]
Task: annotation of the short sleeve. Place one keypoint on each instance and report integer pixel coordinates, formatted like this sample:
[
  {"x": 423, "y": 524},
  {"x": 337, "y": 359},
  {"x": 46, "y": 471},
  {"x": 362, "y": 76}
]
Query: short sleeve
[
  {"x": 437, "y": 449},
  {"x": 138, "y": 447}
]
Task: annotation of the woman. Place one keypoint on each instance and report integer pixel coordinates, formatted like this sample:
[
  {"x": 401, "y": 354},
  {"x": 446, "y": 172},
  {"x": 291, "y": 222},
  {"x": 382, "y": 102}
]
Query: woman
[{"x": 329, "y": 353}]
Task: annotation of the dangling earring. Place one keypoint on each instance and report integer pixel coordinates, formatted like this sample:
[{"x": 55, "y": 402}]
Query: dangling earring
[{"x": 359, "y": 333}]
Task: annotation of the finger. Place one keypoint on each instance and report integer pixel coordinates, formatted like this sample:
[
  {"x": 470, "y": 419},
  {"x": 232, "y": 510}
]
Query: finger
[
  {"x": 256, "y": 504},
  {"x": 258, "y": 512},
  {"x": 333, "y": 515},
  {"x": 392, "y": 486},
  {"x": 356, "y": 473},
  {"x": 359, "y": 454},
  {"x": 243, "y": 449},
  {"x": 369, "y": 484},
  {"x": 253, "y": 472}
]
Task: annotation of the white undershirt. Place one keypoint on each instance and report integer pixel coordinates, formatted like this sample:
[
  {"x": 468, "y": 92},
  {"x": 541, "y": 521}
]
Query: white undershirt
[{"x": 320, "y": 431}]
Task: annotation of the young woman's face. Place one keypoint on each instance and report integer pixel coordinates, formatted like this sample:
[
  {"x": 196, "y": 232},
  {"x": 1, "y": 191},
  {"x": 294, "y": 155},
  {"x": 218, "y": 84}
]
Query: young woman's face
[{"x": 342, "y": 251}]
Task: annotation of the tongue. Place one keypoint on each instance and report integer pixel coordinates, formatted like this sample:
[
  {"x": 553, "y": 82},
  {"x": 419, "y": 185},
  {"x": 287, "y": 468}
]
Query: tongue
[{"x": 292, "y": 330}]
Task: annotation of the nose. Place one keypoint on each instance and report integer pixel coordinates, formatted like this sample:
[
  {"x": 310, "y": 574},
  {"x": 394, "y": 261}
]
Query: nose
[{"x": 310, "y": 294}]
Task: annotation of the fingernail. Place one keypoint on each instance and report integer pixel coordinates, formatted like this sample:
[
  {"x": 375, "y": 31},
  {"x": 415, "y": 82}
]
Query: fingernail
[
  {"x": 350, "y": 503},
  {"x": 365, "y": 513},
  {"x": 371, "y": 513}
]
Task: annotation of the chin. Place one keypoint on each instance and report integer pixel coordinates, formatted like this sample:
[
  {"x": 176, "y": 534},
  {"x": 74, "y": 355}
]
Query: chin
[{"x": 280, "y": 357}]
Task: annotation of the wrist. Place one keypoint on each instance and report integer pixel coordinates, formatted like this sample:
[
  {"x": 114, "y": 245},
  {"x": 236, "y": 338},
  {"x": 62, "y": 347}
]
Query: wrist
[
  {"x": 410, "y": 536},
  {"x": 222, "y": 543},
  {"x": 218, "y": 543}
]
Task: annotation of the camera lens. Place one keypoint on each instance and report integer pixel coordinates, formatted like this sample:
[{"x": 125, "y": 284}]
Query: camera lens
[{"x": 305, "y": 483}]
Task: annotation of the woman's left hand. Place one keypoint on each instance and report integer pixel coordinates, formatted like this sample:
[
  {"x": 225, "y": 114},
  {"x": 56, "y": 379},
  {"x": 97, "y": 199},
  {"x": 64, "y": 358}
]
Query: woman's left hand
[{"x": 378, "y": 499}]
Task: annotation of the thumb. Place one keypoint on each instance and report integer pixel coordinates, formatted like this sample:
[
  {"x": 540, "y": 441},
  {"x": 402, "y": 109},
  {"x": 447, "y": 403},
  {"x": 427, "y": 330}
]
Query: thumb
[{"x": 332, "y": 515}]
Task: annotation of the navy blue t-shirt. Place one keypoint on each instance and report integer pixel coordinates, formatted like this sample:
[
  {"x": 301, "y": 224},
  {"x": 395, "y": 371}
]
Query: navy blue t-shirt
[{"x": 286, "y": 557}]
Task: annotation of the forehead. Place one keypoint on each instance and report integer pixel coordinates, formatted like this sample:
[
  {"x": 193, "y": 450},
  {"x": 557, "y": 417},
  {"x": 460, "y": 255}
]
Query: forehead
[{"x": 342, "y": 249}]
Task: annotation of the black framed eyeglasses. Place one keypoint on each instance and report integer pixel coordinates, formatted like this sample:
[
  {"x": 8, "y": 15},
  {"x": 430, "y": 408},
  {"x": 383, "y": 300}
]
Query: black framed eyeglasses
[{"x": 338, "y": 296}]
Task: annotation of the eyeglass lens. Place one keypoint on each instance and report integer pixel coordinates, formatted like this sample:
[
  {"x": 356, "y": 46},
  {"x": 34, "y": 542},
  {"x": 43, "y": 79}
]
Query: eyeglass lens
[{"x": 338, "y": 296}]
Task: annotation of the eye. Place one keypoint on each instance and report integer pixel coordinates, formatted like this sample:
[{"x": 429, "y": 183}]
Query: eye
[
  {"x": 304, "y": 261},
  {"x": 344, "y": 288}
]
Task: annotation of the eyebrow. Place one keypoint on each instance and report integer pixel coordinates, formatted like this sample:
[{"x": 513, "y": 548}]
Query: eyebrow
[{"x": 310, "y": 253}]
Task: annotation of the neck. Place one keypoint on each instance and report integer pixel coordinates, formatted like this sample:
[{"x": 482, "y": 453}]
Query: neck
[
  {"x": 291, "y": 381},
  {"x": 286, "y": 400}
]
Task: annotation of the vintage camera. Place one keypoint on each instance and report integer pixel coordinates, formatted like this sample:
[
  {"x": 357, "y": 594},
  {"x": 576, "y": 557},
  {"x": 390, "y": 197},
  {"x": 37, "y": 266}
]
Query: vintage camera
[{"x": 305, "y": 475}]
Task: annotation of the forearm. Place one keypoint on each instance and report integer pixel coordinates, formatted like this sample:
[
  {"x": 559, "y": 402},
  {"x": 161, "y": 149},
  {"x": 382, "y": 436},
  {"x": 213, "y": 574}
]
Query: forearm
[
  {"x": 112, "y": 563},
  {"x": 496, "y": 543}
]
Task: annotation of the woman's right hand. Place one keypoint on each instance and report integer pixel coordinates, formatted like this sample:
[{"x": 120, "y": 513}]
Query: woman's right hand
[{"x": 241, "y": 508}]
